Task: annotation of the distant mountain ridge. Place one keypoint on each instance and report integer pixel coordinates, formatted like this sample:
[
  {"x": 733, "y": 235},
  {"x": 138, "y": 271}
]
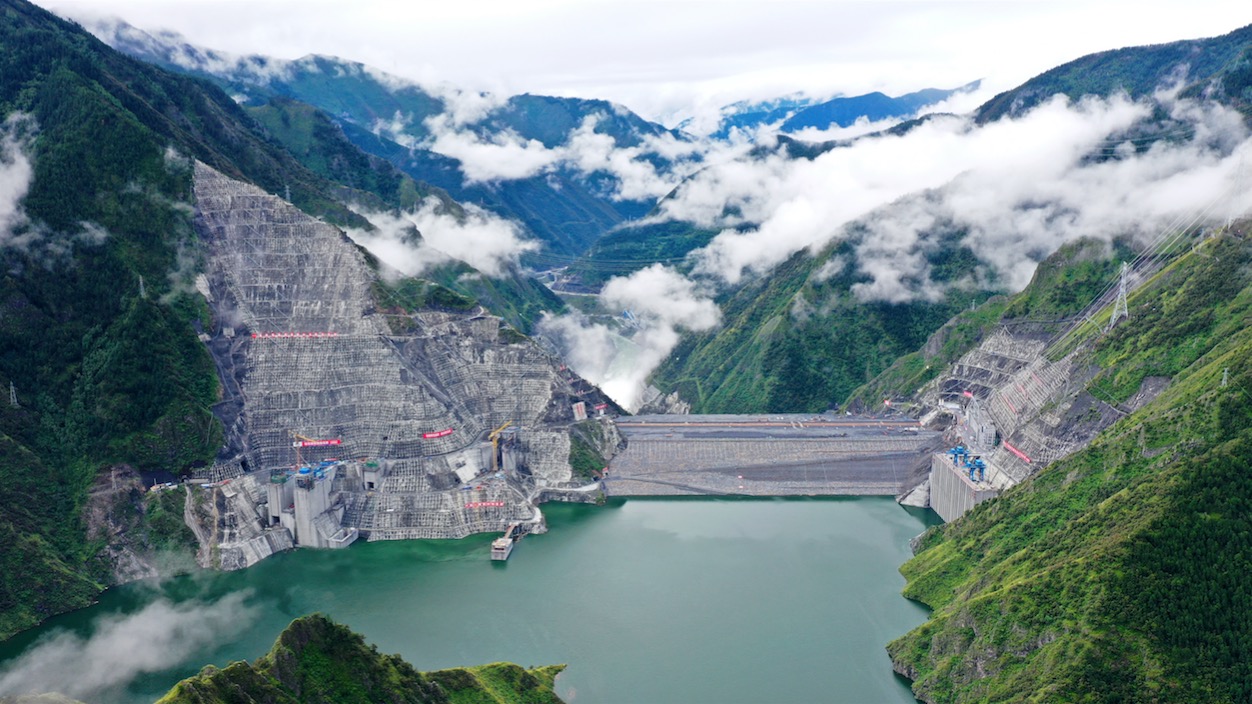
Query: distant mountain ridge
[
  {"x": 876, "y": 106},
  {"x": 397, "y": 119},
  {"x": 797, "y": 112}
]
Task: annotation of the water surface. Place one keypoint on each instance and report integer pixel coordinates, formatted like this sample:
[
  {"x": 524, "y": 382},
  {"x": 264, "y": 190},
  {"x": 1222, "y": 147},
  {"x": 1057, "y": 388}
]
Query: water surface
[{"x": 674, "y": 600}]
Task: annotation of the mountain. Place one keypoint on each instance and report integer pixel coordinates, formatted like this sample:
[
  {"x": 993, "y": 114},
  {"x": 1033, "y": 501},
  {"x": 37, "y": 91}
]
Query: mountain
[
  {"x": 101, "y": 302},
  {"x": 98, "y": 331},
  {"x": 1219, "y": 68},
  {"x": 321, "y": 145},
  {"x": 317, "y": 660},
  {"x": 798, "y": 338},
  {"x": 797, "y": 112},
  {"x": 844, "y": 112},
  {"x": 564, "y": 207},
  {"x": 748, "y": 114},
  {"x": 1116, "y": 573}
]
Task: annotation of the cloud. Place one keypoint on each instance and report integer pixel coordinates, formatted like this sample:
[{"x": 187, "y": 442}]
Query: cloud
[
  {"x": 1014, "y": 214},
  {"x": 501, "y": 156},
  {"x": 1012, "y": 191},
  {"x": 16, "y": 174},
  {"x": 993, "y": 176},
  {"x": 662, "y": 301},
  {"x": 486, "y": 242},
  {"x": 121, "y": 648},
  {"x": 861, "y": 127}
]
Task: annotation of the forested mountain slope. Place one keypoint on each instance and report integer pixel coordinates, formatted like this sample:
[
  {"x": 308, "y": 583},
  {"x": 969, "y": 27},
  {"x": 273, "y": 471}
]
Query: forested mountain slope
[
  {"x": 1117, "y": 574},
  {"x": 1218, "y": 66},
  {"x": 96, "y": 315}
]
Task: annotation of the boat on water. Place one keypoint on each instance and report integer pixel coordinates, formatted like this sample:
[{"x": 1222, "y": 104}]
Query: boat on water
[{"x": 501, "y": 548}]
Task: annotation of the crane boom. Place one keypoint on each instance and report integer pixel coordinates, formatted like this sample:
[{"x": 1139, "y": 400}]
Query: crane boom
[{"x": 494, "y": 437}]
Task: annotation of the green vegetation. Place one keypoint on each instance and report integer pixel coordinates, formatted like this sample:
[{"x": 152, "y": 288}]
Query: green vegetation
[
  {"x": 313, "y": 138},
  {"x": 801, "y": 341},
  {"x": 164, "y": 527},
  {"x": 1117, "y": 574},
  {"x": 629, "y": 249},
  {"x": 908, "y": 373},
  {"x": 584, "y": 458},
  {"x": 1063, "y": 284},
  {"x": 317, "y": 660}
]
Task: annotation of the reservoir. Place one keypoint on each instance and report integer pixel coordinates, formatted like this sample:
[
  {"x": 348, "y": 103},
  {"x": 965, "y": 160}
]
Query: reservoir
[{"x": 646, "y": 600}]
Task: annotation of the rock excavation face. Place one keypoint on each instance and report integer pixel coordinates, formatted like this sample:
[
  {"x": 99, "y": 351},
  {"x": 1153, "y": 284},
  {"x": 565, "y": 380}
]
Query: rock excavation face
[{"x": 304, "y": 356}]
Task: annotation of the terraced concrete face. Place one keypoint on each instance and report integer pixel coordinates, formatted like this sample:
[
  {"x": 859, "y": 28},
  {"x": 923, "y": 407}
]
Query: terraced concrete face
[{"x": 301, "y": 350}]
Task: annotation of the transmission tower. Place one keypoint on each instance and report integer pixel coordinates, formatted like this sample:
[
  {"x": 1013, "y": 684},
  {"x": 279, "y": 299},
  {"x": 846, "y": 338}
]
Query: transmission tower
[
  {"x": 1225, "y": 377},
  {"x": 1120, "y": 310},
  {"x": 143, "y": 293},
  {"x": 12, "y": 395}
]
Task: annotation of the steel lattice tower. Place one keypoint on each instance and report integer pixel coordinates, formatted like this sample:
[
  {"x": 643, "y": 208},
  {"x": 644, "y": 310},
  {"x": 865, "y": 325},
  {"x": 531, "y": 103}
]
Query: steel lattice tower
[{"x": 1120, "y": 309}]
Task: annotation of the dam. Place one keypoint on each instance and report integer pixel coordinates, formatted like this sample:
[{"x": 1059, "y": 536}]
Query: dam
[
  {"x": 769, "y": 455},
  {"x": 349, "y": 417}
]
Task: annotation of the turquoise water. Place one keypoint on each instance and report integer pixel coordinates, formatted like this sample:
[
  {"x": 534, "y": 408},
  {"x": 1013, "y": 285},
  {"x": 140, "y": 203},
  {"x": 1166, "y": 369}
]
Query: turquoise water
[{"x": 645, "y": 600}]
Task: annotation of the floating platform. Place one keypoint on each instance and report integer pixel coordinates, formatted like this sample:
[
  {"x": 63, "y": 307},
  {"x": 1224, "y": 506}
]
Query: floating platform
[{"x": 501, "y": 548}]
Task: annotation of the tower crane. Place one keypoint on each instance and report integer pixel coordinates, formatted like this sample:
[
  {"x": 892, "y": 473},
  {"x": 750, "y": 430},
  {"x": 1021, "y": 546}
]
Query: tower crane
[
  {"x": 494, "y": 437},
  {"x": 300, "y": 442}
]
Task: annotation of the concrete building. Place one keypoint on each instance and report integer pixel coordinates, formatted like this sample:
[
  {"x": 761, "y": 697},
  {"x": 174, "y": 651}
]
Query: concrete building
[{"x": 952, "y": 493}]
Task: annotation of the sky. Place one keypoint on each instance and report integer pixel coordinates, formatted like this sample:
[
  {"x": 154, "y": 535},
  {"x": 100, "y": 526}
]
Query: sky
[{"x": 668, "y": 60}]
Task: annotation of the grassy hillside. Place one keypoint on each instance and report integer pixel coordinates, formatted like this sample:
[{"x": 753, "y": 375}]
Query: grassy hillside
[
  {"x": 631, "y": 248},
  {"x": 316, "y": 660},
  {"x": 1117, "y": 574},
  {"x": 313, "y": 138}
]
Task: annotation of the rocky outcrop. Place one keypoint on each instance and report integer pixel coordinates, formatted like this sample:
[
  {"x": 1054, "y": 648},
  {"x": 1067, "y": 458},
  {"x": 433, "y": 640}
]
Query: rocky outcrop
[{"x": 140, "y": 540}]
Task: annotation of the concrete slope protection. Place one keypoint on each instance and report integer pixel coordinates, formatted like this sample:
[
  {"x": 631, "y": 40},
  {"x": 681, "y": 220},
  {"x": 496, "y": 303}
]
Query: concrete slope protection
[{"x": 335, "y": 426}]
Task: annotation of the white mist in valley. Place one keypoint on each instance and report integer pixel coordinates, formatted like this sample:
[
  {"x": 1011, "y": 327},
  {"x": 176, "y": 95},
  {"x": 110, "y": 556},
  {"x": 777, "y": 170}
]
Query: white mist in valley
[
  {"x": 414, "y": 242},
  {"x": 161, "y": 635},
  {"x": 1017, "y": 189}
]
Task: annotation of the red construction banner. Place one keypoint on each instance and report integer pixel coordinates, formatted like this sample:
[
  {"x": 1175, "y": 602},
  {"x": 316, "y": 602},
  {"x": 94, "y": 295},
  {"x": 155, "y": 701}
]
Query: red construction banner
[
  {"x": 437, "y": 434},
  {"x": 316, "y": 443},
  {"x": 1021, "y": 455},
  {"x": 485, "y": 504},
  {"x": 277, "y": 335}
]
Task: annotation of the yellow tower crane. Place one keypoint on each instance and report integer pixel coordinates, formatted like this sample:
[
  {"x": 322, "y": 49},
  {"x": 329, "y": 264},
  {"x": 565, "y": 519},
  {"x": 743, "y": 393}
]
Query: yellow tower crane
[
  {"x": 494, "y": 437},
  {"x": 299, "y": 443}
]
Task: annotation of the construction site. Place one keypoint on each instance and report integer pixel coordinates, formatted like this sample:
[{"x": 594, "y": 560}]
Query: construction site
[
  {"x": 339, "y": 429},
  {"x": 1022, "y": 399}
]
